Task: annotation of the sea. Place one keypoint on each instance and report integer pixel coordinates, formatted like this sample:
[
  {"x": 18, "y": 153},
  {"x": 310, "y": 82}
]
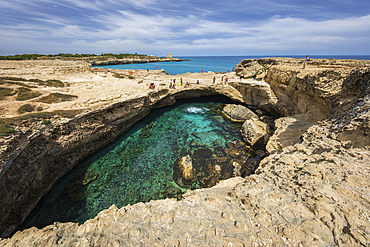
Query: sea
[{"x": 197, "y": 64}]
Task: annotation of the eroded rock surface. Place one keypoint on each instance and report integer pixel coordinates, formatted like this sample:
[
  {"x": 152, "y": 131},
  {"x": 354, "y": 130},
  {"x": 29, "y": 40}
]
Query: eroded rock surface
[
  {"x": 254, "y": 133},
  {"x": 288, "y": 131},
  {"x": 238, "y": 113},
  {"x": 313, "y": 191}
]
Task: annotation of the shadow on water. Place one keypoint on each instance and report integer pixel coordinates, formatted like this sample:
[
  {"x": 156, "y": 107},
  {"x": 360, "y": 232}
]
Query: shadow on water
[{"x": 147, "y": 163}]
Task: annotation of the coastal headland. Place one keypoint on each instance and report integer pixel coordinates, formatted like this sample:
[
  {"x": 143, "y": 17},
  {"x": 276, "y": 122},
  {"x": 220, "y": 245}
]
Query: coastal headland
[{"x": 311, "y": 190}]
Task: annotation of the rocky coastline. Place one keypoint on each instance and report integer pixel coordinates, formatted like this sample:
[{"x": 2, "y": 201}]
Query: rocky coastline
[
  {"x": 149, "y": 59},
  {"x": 312, "y": 190}
]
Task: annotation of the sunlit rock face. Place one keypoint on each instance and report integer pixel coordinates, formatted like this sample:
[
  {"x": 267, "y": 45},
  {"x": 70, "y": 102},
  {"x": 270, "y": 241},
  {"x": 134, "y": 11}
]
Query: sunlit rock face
[{"x": 312, "y": 191}]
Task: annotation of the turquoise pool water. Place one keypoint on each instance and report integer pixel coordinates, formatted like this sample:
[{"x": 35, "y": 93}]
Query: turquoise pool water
[{"x": 143, "y": 164}]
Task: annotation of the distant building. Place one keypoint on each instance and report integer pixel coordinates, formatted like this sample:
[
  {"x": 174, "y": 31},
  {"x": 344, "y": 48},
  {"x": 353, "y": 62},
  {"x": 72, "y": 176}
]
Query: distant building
[{"x": 169, "y": 56}]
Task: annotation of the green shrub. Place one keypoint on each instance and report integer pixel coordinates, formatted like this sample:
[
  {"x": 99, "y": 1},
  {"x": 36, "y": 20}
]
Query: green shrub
[
  {"x": 5, "y": 128},
  {"x": 54, "y": 83},
  {"x": 46, "y": 122},
  {"x": 18, "y": 81},
  {"x": 26, "y": 108},
  {"x": 6, "y": 92},
  {"x": 56, "y": 97},
  {"x": 39, "y": 108},
  {"x": 116, "y": 75},
  {"x": 26, "y": 94}
]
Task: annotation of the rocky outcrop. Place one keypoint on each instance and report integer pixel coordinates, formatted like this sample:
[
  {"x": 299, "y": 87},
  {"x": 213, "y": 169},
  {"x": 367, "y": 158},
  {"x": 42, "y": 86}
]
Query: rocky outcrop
[
  {"x": 47, "y": 154},
  {"x": 288, "y": 131},
  {"x": 258, "y": 94},
  {"x": 183, "y": 173},
  {"x": 290, "y": 90},
  {"x": 238, "y": 113},
  {"x": 311, "y": 192},
  {"x": 254, "y": 133}
]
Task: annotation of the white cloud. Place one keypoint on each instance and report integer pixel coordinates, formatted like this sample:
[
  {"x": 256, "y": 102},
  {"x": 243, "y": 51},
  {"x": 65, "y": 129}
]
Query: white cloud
[{"x": 120, "y": 30}]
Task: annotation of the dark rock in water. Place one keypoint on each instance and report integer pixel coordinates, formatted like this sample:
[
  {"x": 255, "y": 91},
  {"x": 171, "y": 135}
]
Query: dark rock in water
[
  {"x": 203, "y": 153},
  {"x": 172, "y": 191},
  {"x": 89, "y": 176},
  {"x": 220, "y": 160},
  {"x": 74, "y": 189},
  {"x": 196, "y": 144},
  {"x": 219, "y": 151},
  {"x": 147, "y": 130}
]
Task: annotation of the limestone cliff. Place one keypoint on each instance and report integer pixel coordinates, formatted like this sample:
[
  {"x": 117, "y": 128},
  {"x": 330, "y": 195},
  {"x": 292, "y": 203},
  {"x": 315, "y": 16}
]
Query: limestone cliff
[
  {"x": 312, "y": 191},
  {"x": 33, "y": 161}
]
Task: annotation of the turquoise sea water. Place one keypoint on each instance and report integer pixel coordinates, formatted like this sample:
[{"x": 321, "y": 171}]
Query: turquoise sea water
[
  {"x": 210, "y": 63},
  {"x": 142, "y": 165}
]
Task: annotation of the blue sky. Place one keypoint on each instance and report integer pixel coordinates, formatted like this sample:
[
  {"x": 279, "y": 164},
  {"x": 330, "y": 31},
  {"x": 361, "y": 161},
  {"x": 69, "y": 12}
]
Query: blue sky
[{"x": 186, "y": 27}]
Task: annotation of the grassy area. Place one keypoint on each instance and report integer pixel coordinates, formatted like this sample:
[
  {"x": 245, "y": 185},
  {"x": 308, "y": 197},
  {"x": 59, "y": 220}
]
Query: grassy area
[
  {"x": 11, "y": 80},
  {"x": 26, "y": 108},
  {"x": 19, "y": 81},
  {"x": 26, "y": 94},
  {"x": 6, "y": 92},
  {"x": 121, "y": 76},
  {"x": 5, "y": 128},
  {"x": 68, "y": 55},
  {"x": 7, "y": 124},
  {"x": 56, "y": 97}
]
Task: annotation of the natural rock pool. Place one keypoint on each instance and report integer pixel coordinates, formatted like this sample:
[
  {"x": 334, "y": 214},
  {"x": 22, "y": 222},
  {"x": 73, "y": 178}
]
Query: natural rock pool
[{"x": 175, "y": 148}]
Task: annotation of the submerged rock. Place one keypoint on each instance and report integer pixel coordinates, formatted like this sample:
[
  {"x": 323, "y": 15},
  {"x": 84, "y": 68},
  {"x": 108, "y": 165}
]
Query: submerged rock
[
  {"x": 147, "y": 130},
  {"x": 183, "y": 172},
  {"x": 89, "y": 176}
]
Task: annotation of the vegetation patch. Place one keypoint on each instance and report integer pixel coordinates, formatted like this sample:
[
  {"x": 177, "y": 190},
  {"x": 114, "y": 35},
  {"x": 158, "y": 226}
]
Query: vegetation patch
[
  {"x": 26, "y": 108},
  {"x": 67, "y": 55},
  {"x": 13, "y": 81},
  {"x": 26, "y": 94},
  {"x": 46, "y": 122},
  {"x": 5, "y": 128},
  {"x": 56, "y": 98},
  {"x": 19, "y": 81},
  {"x": 122, "y": 76},
  {"x": 6, "y": 92}
]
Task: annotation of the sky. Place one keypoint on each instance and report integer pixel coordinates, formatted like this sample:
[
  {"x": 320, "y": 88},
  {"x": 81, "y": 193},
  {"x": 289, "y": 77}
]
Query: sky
[{"x": 185, "y": 27}]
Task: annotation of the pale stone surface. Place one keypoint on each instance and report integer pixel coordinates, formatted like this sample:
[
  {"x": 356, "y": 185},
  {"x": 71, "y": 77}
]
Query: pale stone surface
[
  {"x": 238, "y": 113},
  {"x": 311, "y": 193},
  {"x": 254, "y": 133},
  {"x": 288, "y": 131},
  {"x": 258, "y": 94}
]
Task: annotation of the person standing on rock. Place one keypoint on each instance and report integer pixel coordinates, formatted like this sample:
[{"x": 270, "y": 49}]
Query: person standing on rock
[
  {"x": 306, "y": 61},
  {"x": 214, "y": 80}
]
